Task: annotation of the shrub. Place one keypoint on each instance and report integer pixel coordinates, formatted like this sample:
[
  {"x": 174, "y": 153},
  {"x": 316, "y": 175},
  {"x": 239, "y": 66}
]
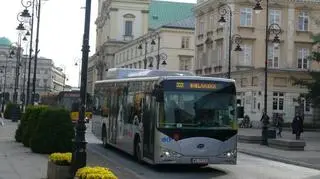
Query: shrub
[
  {"x": 54, "y": 132},
  {"x": 95, "y": 173},
  {"x": 61, "y": 158},
  {"x": 30, "y": 123},
  {"x": 22, "y": 125},
  {"x": 9, "y": 109},
  {"x": 18, "y": 135}
]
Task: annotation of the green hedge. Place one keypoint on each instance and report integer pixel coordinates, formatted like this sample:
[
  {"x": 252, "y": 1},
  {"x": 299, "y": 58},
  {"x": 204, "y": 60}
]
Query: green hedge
[
  {"x": 54, "y": 132},
  {"x": 9, "y": 109},
  {"x": 31, "y": 123},
  {"x": 46, "y": 130}
]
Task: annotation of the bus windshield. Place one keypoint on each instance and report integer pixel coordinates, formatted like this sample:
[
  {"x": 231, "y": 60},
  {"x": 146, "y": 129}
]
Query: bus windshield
[
  {"x": 197, "y": 109},
  {"x": 72, "y": 104}
]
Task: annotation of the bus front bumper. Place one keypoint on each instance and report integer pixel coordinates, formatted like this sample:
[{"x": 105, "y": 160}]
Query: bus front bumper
[{"x": 196, "y": 160}]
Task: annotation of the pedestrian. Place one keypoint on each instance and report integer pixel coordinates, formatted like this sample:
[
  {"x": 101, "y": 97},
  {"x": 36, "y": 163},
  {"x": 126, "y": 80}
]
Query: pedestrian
[
  {"x": 1, "y": 121},
  {"x": 279, "y": 124},
  {"x": 265, "y": 118},
  {"x": 297, "y": 126}
]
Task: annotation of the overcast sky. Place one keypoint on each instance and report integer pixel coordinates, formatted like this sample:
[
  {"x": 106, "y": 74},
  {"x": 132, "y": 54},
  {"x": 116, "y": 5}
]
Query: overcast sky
[{"x": 61, "y": 30}]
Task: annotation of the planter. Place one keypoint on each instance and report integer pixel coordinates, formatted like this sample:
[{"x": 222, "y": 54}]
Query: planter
[{"x": 57, "y": 171}]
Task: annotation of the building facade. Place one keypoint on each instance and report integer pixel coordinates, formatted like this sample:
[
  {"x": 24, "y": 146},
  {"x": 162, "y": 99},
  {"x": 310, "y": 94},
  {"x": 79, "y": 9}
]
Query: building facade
[
  {"x": 299, "y": 20},
  {"x": 172, "y": 42},
  {"x": 48, "y": 77},
  {"x": 120, "y": 23}
]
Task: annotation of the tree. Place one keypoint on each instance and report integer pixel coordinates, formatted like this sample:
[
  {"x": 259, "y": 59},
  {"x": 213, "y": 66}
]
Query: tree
[{"x": 314, "y": 84}]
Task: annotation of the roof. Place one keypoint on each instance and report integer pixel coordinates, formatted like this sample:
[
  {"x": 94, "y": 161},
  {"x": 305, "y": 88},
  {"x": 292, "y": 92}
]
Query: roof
[
  {"x": 120, "y": 73},
  {"x": 164, "y": 12},
  {"x": 188, "y": 23},
  {"x": 4, "y": 41}
]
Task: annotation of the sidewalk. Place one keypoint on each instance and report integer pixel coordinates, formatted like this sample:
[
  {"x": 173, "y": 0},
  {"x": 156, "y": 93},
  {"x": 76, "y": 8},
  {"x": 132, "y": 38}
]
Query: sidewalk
[
  {"x": 308, "y": 158},
  {"x": 16, "y": 161}
]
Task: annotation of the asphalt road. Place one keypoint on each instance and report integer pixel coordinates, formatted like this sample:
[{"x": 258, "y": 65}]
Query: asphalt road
[{"x": 248, "y": 167}]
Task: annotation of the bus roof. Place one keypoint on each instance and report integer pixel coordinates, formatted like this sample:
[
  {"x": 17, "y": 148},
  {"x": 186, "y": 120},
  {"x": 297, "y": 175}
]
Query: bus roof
[
  {"x": 120, "y": 73},
  {"x": 139, "y": 75}
]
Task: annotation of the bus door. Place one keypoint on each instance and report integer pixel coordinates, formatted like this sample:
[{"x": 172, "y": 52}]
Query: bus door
[
  {"x": 113, "y": 118},
  {"x": 148, "y": 120}
]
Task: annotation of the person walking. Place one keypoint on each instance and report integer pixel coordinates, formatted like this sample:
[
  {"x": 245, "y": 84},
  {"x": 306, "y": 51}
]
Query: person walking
[
  {"x": 279, "y": 124},
  {"x": 297, "y": 126}
]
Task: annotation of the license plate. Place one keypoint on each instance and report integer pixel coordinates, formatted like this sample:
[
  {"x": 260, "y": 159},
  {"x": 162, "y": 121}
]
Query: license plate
[{"x": 199, "y": 160}]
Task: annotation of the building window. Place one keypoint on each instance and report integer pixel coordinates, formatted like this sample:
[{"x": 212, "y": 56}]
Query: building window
[
  {"x": 273, "y": 56},
  {"x": 306, "y": 102},
  {"x": 246, "y": 55},
  {"x": 201, "y": 27},
  {"x": 219, "y": 53},
  {"x": 278, "y": 101},
  {"x": 254, "y": 102},
  {"x": 275, "y": 17},
  {"x": 303, "y": 21},
  {"x": 303, "y": 54},
  {"x": 185, "y": 42},
  {"x": 128, "y": 28},
  {"x": 184, "y": 63},
  {"x": 246, "y": 17}
]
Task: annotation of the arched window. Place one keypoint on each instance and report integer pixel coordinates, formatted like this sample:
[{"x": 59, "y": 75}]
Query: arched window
[{"x": 128, "y": 24}]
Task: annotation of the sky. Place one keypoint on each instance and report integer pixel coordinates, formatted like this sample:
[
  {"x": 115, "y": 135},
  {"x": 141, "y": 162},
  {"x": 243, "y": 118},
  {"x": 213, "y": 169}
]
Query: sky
[{"x": 61, "y": 30}]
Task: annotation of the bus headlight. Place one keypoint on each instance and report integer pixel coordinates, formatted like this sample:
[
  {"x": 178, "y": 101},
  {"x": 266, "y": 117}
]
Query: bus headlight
[
  {"x": 166, "y": 154},
  {"x": 230, "y": 153}
]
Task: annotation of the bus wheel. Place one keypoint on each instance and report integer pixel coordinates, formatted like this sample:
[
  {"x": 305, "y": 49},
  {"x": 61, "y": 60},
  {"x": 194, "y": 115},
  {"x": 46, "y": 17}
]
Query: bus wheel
[
  {"x": 137, "y": 150},
  {"x": 104, "y": 137}
]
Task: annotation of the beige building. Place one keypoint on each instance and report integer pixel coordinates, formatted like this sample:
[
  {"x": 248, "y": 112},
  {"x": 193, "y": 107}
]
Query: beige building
[
  {"x": 299, "y": 20},
  {"x": 121, "y": 24},
  {"x": 176, "y": 48}
]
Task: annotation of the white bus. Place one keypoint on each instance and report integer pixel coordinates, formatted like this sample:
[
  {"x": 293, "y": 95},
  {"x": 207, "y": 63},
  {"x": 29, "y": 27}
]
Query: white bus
[{"x": 167, "y": 117}]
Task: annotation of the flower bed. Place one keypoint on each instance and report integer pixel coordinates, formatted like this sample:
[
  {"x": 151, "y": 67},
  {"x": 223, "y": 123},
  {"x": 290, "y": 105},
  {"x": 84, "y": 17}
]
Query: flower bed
[
  {"x": 95, "y": 173},
  {"x": 59, "y": 166}
]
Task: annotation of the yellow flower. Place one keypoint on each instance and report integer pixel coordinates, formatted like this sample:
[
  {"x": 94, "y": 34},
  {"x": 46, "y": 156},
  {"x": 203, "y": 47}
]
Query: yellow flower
[
  {"x": 61, "y": 158},
  {"x": 95, "y": 173}
]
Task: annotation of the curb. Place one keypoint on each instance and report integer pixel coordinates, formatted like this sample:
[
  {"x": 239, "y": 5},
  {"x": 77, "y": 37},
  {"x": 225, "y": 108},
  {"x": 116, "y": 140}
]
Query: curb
[{"x": 277, "y": 158}]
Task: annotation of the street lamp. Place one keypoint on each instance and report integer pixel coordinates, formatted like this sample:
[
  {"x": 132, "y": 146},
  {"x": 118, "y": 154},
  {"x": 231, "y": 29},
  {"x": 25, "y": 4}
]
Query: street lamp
[
  {"x": 223, "y": 10},
  {"x": 153, "y": 42},
  {"x": 145, "y": 51},
  {"x": 21, "y": 30},
  {"x": 36, "y": 6},
  {"x": 36, "y": 54},
  {"x": 28, "y": 4},
  {"x": 79, "y": 156},
  {"x": 159, "y": 57},
  {"x": 270, "y": 29}
]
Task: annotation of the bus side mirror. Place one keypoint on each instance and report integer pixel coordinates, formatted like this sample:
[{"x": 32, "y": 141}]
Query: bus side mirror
[{"x": 240, "y": 112}]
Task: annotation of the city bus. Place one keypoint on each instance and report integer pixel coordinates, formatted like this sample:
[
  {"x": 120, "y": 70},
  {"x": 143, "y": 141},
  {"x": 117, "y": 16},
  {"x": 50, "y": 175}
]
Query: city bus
[
  {"x": 69, "y": 100},
  {"x": 167, "y": 117}
]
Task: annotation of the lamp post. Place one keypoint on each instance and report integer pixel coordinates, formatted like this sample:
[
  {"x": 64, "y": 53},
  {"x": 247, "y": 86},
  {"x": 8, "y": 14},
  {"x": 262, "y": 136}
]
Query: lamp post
[
  {"x": 36, "y": 6},
  {"x": 36, "y": 54},
  {"x": 79, "y": 156},
  {"x": 223, "y": 10},
  {"x": 270, "y": 29},
  {"x": 21, "y": 30},
  {"x": 26, "y": 15},
  {"x": 159, "y": 57},
  {"x": 145, "y": 51}
]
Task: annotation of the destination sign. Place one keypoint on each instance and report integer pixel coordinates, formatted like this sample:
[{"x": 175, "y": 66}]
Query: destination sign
[
  {"x": 195, "y": 85},
  {"x": 203, "y": 85}
]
